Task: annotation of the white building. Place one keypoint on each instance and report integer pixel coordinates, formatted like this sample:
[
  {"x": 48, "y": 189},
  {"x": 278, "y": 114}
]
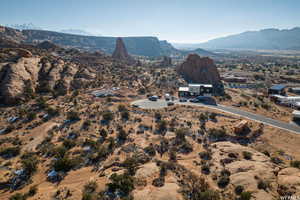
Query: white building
[{"x": 196, "y": 90}]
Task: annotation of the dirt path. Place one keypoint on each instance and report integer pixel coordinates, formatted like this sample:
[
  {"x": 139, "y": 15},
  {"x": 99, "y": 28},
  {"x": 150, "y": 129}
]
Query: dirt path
[{"x": 38, "y": 134}]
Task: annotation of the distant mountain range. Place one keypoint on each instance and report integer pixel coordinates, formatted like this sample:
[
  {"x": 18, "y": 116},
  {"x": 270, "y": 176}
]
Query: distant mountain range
[
  {"x": 78, "y": 32},
  {"x": 269, "y": 39},
  {"x": 28, "y": 26}
]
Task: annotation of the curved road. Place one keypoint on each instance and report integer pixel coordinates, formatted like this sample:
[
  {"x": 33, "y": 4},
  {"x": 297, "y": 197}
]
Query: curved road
[{"x": 146, "y": 104}]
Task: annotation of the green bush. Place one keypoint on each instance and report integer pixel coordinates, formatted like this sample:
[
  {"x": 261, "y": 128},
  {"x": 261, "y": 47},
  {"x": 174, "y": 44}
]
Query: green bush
[
  {"x": 17, "y": 196},
  {"x": 262, "y": 185},
  {"x": 295, "y": 163},
  {"x": 73, "y": 116},
  {"x": 223, "y": 181},
  {"x": 31, "y": 116},
  {"x": 245, "y": 196},
  {"x": 107, "y": 116},
  {"x": 10, "y": 151},
  {"x": 64, "y": 164},
  {"x": 239, "y": 189},
  {"x": 123, "y": 183},
  {"x": 125, "y": 115},
  {"x": 29, "y": 163},
  {"x": 90, "y": 187},
  {"x": 247, "y": 155}
]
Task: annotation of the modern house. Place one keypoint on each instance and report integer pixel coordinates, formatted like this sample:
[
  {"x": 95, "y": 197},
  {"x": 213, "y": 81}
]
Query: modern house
[
  {"x": 296, "y": 90},
  {"x": 277, "y": 89},
  {"x": 292, "y": 101},
  {"x": 193, "y": 90}
]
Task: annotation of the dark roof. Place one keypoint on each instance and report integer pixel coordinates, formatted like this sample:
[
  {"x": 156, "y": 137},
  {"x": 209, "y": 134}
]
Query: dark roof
[{"x": 278, "y": 87}]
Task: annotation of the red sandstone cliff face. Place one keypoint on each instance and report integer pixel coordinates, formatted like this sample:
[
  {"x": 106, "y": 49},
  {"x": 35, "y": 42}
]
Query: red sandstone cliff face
[
  {"x": 199, "y": 70},
  {"x": 121, "y": 53}
]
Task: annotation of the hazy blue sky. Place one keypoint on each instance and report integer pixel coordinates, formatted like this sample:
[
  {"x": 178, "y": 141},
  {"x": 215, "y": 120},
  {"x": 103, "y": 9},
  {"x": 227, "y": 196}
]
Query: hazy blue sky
[{"x": 174, "y": 20}]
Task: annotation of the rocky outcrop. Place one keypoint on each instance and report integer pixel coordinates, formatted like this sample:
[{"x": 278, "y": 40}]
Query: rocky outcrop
[
  {"x": 199, "y": 70},
  {"x": 22, "y": 78},
  {"x": 17, "y": 78},
  {"x": 247, "y": 173},
  {"x": 121, "y": 53}
]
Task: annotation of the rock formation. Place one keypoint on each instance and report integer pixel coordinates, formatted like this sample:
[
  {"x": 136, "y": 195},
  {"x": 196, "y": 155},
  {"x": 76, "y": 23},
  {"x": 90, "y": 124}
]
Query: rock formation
[
  {"x": 199, "y": 70},
  {"x": 120, "y": 52}
]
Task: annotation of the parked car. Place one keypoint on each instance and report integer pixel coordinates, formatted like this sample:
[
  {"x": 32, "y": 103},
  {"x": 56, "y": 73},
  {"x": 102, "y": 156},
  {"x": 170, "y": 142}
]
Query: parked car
[
  {"x": 153, "y": 98},
  {"x": 182, "y": 100},
  {"x": 195, "y": 100},
  {"x": 167, "y": 97},
  {"x": 170, "y": 103}
]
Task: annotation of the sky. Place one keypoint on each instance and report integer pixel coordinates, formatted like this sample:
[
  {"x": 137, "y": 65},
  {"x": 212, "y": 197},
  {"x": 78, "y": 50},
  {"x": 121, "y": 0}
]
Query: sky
[{"x": 180, "y": 21}]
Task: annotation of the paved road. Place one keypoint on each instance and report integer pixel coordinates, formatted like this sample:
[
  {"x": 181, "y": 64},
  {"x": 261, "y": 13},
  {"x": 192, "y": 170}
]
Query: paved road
[{"x": 146, "y": 104}]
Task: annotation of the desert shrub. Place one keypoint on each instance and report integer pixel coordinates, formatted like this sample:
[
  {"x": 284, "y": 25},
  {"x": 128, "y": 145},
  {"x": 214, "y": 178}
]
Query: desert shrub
[
  {"x": 123, "y": 184},
  {"x": 31, "y": 116},
  {"x": 90, "y": 187},
  {"x": 157, "y": 116},
  {"x": 29, "y": 163},
  {"x": 86, "y": 124},
  {"x": 205, "y": 155},
  {"x": 150, "y": 150},
  {"x": 131, "y": 165},
  {"x": 173, "y": 155},
  {"x": 239, "y": 189},
  {"x": 262, "y": 185},
  {"x": 203, "y": 117},
  {"x": 122, "y": 135},
  {"x": 180, "y": 135},
  {"x": 17, "y": 196},
  {"x": 208, "y": 195},
  {"x": 125, "y": 115},
  {"x": 245, "y": 196},
  {"x": 185, "y": 147},
  {"x": 247, "y": 155},
  {"x": 295, "y": 163},
  {"x": 107, "y": 116},
  {"x": 158, "y": 182},
  {"x": 122, "y": 108},
  {"x": 217, "y": 134},
  {"x": 59, "y": 151},
  {"x": 52, "y": 111},
  {"x": 32, "y": 190},
  {"x": 103, "y": 133},
  {"x": 161, "y": 126},
  {"x": 73, "y": 116},
  {"x": 64, "y": 164},
  {"x": 41, "y": 103},
  {"x": 69, "y": 143},
  {"x": 9, "y": 152},
  {"x": 225, "y": 172},
  {"x": 223, "y": 181},
  {"x": 205, "y": 169}
]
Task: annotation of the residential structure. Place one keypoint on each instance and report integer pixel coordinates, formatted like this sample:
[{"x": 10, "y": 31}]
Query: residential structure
[
  {"x": 277, "y": 89},
  {"x": 196, "y": 90}
]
